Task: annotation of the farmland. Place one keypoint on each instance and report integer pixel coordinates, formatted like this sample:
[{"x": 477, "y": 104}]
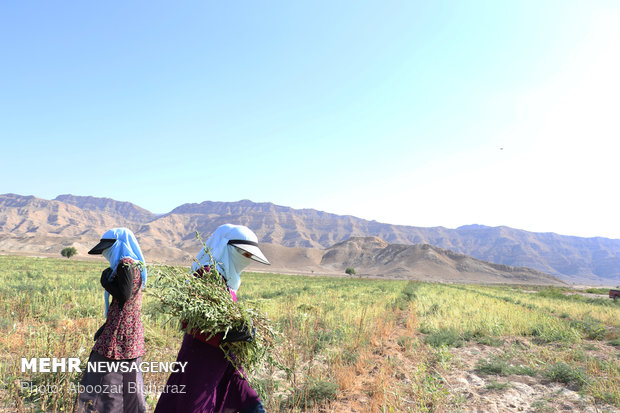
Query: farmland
[{"x": 348, "y": 344}]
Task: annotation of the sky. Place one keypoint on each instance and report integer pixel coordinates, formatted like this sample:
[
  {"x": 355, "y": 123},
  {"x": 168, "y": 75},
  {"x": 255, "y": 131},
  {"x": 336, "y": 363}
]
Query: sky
[{"x": 443, "y": 113}]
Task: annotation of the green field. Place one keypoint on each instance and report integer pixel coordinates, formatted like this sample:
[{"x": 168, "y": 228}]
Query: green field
[{"x": 348, "y": 343}]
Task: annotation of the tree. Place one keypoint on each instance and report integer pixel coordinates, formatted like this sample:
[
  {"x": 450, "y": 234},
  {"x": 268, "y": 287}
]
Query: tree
[
  {"x": 350, "y": 271},
  {"x": 68, "y": 252}
]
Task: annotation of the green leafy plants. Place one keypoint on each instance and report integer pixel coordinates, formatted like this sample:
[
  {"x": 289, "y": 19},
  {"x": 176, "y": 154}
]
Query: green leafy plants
[
  {"x": 444, "y": 337},
  {"x": 501, "y": 367},
  {"x": 204, "y": 304},
  {"x": 68, "y": 252},
  {"x": 565, "y": 373}
]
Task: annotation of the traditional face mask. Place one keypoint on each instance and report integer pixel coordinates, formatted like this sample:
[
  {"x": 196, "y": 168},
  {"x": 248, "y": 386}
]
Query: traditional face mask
[
  {"x": 230, "y": 262},
  {"x": 107, "y": 253},
  {"x": 239, "y": 260}
]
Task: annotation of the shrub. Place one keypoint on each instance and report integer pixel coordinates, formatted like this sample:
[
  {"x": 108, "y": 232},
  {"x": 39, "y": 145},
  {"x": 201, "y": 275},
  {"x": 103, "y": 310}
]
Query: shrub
[
  {"x": 565, "y": 373},
  {"x": 68, "y": 252}
]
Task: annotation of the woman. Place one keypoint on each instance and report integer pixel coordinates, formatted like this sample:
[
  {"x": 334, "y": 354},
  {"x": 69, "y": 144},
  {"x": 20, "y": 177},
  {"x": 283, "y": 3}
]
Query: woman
[
  {"x": 210, "y": 382},
  {"x": 120, "y": 341}
]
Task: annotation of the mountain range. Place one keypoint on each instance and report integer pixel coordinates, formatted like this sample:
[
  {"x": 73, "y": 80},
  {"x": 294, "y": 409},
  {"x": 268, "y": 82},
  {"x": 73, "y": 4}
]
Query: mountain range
[{"x": 307, "y": 240}]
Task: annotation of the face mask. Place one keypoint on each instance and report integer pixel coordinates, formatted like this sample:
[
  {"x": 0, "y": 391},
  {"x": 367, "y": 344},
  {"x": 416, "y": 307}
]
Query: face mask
[
  {"x": 241, "y": 260},
  {"x": 107, "y": 253}
]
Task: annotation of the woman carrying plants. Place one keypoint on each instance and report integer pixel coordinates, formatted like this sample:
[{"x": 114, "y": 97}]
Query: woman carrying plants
[
  {"x": 211, "y": 381},
  {"x": 120, "y": 341}
]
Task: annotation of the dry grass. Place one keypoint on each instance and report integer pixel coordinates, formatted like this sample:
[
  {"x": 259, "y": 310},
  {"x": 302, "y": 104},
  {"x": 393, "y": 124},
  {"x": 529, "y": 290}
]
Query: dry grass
[{"x": 350, "y": 344}]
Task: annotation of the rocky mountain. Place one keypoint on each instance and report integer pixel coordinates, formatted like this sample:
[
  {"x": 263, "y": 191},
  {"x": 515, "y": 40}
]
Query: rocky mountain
[
  {"x": 32, "y": 224},
  {"x": 125, "y": 210}
]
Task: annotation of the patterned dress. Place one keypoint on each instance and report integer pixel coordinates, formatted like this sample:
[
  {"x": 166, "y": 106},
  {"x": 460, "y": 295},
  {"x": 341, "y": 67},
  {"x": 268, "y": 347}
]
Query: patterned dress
[
  {"x": 122, "y": 337},
  {"x": 121, "y": 341}
]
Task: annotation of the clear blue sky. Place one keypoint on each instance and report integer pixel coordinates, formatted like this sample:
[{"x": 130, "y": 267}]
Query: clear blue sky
[{"x": 413, "y": 112}]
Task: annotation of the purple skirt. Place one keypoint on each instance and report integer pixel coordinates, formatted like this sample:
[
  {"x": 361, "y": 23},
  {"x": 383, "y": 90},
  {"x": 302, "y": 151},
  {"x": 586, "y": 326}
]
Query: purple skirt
[{"x": 210, "y": 383}]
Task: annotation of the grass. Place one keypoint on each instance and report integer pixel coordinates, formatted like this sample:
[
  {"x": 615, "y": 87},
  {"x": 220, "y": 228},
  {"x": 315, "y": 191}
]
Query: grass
[
  {"x": 501, "y": 367},
  {"x": 52, "y": 307},
  {"x": 444, "y": 337},
  {"x": 312, "y": 393},
  {"x": 340, "y": 341},
  {"x": 568, "y": 374},
  {"x": 602, "y": 291},
  {"x": 498, "y": 386}
]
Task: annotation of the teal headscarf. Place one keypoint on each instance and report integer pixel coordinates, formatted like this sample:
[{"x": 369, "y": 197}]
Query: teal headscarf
[{"x": 126, "y": 246}]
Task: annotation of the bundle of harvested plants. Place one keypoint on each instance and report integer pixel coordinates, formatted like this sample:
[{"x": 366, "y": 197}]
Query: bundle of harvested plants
[{"x": 202, "y": 301}]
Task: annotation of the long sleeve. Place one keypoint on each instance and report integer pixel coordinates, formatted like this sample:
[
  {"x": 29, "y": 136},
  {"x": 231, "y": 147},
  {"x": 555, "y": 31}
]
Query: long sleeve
[{"x": 119, "y": 285}]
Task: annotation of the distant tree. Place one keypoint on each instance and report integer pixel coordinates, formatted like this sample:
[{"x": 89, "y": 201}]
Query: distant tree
[
  {"x": 350, "y": 271},
  {"x": 68, "y": 252}
]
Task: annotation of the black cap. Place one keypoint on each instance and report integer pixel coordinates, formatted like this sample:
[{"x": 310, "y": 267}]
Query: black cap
[{"x": 103, "y": 244}]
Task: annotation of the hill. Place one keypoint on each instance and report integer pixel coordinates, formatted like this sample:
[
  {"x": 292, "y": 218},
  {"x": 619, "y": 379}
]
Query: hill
[
  {"x": 31, "y": 224},
  {"x": 374, "y": 256}
]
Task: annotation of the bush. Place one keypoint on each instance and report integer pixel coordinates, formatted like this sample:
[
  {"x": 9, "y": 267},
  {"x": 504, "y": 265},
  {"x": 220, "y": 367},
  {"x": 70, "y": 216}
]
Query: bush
[
  {"x": 350, "y": 271},
  {"x": 565, "y": 373},
  {"x": 68, "y": 252}
]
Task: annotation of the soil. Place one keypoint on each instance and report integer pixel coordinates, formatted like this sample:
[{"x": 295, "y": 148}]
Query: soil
[
  {"x": 469, "y": 390},
  {"x": 517, "y": 393}
]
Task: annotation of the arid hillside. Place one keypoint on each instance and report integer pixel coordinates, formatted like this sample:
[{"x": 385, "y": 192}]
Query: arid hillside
[
  {"x": 374, "y": 256},
  {"x": 298, "y": 239}
]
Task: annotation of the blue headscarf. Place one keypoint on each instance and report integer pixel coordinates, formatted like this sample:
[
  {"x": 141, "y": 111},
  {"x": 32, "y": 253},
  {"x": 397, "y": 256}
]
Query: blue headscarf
[
  {"x": 126, "y": 246},
  {"x": 229, "y": 261}
]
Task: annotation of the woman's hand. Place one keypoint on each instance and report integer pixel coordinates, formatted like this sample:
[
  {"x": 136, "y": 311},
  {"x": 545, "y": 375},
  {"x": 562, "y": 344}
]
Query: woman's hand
[
  {"x": 105, "y": 276},
  {"x": 240, "y": 334}
]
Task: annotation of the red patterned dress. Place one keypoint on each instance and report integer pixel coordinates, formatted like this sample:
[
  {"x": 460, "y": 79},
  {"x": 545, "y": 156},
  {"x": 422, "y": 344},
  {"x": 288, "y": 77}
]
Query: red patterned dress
[
  {"x": 121, "y": 342},
  {"x": 122, "y": 337}
]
